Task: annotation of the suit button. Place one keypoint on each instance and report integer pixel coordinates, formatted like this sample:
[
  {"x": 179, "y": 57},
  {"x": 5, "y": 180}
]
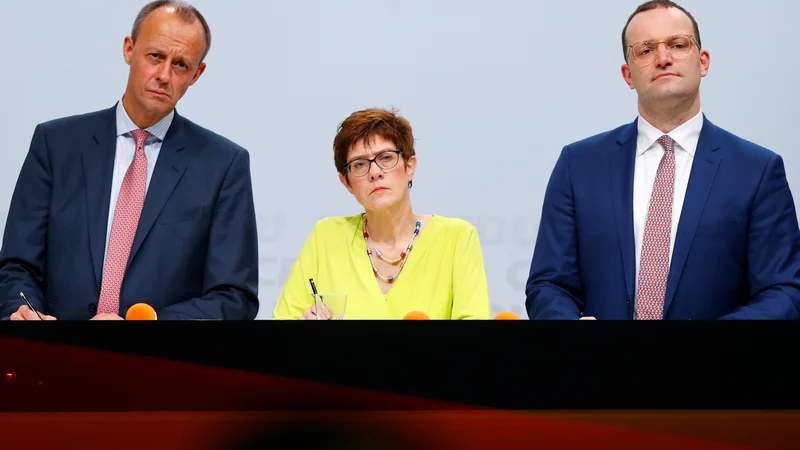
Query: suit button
[{"x": 93, "y": 308}]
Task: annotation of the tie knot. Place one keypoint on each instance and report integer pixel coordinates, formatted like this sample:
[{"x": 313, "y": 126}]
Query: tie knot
[
  {"x": 140, "y": 136},
  {"x": 667, "y": 143}
]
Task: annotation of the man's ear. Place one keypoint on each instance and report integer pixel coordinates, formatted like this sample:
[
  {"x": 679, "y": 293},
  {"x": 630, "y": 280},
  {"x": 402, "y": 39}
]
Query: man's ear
[
  {"x": 127, "y": 50},
  {"x": 626, "y": 75},
  {"x": 200, "y": 69}
]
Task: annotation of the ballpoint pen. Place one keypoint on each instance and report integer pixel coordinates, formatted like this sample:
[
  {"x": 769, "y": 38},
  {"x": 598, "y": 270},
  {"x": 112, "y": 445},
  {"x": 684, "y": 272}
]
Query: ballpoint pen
[{"x": 30, "y": 306}]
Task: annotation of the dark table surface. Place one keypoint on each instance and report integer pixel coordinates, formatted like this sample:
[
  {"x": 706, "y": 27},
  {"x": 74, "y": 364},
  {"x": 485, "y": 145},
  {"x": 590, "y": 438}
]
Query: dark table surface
[{"x": 397, "y": 365}]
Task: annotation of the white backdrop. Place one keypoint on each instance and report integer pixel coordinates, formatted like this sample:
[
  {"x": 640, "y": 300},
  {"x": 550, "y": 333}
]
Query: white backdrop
[{"x": 493, "y": 90}]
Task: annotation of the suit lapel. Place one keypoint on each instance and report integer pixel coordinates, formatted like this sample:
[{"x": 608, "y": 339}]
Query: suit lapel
[
  {"x": 169, "y": 169},
  {"x": 621, "y": 176},
  {"x": 98, "y": 169},
  {"x": 704, "y": 169}
]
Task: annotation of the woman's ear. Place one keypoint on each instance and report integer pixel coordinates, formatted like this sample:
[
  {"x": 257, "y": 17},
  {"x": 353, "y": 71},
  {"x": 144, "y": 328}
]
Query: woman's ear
[
  {"x": 346, "y": 183},
  {"x": 411, "y": 167}
]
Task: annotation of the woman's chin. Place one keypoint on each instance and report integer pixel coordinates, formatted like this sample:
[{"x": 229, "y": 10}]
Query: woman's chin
[{"x": 379, "y": 204}]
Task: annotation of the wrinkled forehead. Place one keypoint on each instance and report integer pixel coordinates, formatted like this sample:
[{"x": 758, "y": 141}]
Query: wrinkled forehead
[
  {"x": 165, "y": 27},
  {"x": 657, "y": 25},
  {"x": 369, "y": 147}
]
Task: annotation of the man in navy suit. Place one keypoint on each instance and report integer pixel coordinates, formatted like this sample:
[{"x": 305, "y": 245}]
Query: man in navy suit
[
  {"x": 669, "y": 217},
  {"x": 135, "y": 204}
]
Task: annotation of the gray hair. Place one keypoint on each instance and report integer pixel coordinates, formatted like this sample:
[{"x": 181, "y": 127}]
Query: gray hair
[{"x": 185, "y": 11}]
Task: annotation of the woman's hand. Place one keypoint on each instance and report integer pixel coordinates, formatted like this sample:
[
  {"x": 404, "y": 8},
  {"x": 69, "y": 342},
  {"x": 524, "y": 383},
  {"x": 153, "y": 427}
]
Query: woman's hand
[{"x": 311, "y": 313}]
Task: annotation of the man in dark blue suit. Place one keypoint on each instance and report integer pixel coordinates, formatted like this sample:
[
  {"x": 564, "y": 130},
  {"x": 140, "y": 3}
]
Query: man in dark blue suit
[
  {"x": 669, "y": 217},
  {"x": 135, "y": 204}
]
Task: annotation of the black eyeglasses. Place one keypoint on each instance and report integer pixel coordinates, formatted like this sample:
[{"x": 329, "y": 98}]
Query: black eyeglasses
[{"x": 385, "y": 160}]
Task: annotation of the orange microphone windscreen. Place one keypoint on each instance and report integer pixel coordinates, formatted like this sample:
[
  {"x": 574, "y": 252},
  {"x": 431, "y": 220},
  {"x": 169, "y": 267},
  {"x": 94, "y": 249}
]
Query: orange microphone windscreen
[
  {"x": 141, "y": 311},
  {"x": 506, "y": 315},
  {"x": 416, "y": 315}
]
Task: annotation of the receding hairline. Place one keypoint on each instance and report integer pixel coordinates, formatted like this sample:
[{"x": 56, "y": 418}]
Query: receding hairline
[
  {"x": 628, "y": 27},
  {"x": 174, "y": 12},
  {"x": 656, "y": 4},
  {"x": 185, "y": 12}
]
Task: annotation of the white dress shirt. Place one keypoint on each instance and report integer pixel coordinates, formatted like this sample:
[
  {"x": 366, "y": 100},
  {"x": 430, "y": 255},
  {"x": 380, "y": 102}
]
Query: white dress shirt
[
  {"x": 126, "y": 149},
  {"x": 648, "y": 157}
]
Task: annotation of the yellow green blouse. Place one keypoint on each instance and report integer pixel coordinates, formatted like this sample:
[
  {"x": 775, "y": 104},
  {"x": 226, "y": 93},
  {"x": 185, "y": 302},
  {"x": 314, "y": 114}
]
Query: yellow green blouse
[{"x": 443, "y": 277}]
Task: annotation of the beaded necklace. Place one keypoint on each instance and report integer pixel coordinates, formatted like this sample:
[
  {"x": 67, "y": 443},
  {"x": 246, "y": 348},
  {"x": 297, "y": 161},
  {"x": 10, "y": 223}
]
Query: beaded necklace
[{"x": 403, "y": 255}]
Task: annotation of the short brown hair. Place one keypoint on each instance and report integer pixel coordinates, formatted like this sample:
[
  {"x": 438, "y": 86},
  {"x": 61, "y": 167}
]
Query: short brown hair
[
  {"x": 653, "y": 4},
  {"x": 365, "y": 125},
  {"x": 185, "y": 11}
]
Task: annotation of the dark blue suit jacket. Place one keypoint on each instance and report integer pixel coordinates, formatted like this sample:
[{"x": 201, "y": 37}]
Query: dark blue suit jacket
[
  {"x": 737, "y": 246},
  {"x": 195, "y": 252}
]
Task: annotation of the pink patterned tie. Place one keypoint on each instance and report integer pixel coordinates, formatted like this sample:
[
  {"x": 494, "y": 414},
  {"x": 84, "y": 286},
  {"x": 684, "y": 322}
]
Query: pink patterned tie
[
  {"x": 123, "y": 228},
  {"x": 654, "y": 266}
]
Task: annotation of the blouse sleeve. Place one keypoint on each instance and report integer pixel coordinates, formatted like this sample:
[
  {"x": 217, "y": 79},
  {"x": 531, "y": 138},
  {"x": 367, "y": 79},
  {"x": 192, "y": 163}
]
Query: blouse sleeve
[
  {"x": 296, "y": 296},
  {"x": 470, "y": 289}
]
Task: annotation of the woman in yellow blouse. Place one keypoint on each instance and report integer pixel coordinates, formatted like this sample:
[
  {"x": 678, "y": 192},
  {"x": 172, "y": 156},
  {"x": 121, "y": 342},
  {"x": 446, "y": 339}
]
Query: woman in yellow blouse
[{"x": 389, "y": 260}]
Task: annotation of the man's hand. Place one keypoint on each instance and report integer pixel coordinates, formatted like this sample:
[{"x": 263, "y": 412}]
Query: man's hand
[
  {"x": 107, "y": 316},
  {"x": 25, "y": 313}
]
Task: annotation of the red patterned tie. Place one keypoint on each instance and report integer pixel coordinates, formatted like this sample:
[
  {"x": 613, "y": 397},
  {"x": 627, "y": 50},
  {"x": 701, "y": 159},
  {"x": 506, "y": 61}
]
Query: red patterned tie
[
  {"x": 123, "y": 228},
  {"x": 654, "y": 266}
]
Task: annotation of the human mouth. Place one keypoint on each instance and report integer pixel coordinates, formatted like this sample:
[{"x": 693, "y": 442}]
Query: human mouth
[
  {"x": 159, "y": 93},
  {"x": 664, "y": 75}
]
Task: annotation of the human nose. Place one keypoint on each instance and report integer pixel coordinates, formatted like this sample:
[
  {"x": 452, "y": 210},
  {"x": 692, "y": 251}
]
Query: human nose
[
  {"x": 164, "y": 72},
  {"x": 663, "y": 56},
  {"x": 374, "y": 170}
]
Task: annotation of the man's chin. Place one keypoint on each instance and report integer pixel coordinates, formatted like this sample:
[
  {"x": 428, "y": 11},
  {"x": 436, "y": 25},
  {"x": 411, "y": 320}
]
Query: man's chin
[
  {"x": 671, "y": 94},
  {"x": 159, "y": 108}
]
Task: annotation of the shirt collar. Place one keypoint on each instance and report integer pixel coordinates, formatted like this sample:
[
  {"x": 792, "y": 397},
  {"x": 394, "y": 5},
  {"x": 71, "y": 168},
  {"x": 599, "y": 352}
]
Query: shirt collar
[
  {"x": 125, "y": 125},
  {"x": 685, "y": 136}
]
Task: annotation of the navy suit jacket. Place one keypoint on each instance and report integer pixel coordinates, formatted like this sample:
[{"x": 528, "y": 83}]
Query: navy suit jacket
[
  {"x": 195, "y": 252},
  {"x": 736, "y": 252}
]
